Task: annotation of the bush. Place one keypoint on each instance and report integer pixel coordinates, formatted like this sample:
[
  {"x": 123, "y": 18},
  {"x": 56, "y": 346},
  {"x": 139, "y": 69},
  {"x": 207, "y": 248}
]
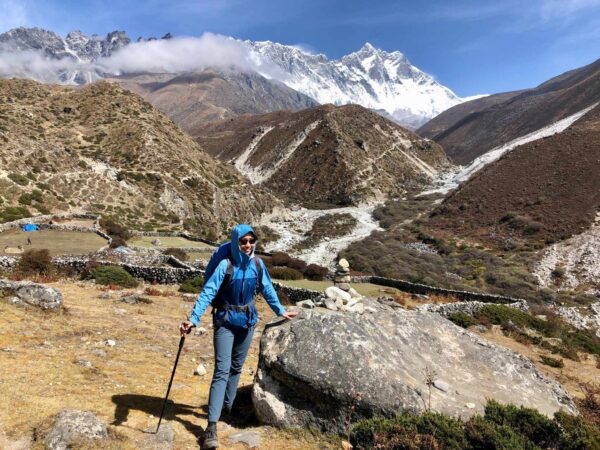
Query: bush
[
  {"x": 11, "y": 213},
  {"x": 280, "y": 259},
  {"x": 35, "y": 262},
  {"x": 114, "y": 229},
  {"x": 315, "y": 272},
  {"x": 297, "y": 264},
  {"x": 462, "y": 319},
  {"x": 176, "y": 252},
  {"x": 285, "y": 273},
  {"x": 192, "y": 286},
  {"x": 117, "y": 276},
  {"x": 502, "y": 427},
  {"x": 21, "y": 180},
  {"x": 117, "y": 242},
  {"x": 552, "y": 362}
]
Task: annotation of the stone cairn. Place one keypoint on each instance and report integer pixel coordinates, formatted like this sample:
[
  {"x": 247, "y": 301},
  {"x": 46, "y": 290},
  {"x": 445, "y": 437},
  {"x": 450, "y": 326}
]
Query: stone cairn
[{"x": 341, "y": 296}]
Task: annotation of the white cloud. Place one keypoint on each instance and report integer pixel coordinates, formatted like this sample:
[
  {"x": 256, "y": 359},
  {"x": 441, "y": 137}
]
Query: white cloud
[{"x": 176, "y": 55}]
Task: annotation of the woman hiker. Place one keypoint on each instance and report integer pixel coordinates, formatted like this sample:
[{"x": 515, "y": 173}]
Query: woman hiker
[{"x": 235, "y": 274}]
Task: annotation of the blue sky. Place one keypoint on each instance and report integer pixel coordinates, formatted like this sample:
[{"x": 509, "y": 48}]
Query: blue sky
[{"x": 472, "y": 47}]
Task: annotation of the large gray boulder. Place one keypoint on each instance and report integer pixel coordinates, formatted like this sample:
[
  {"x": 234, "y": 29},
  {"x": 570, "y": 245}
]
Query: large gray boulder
[
  {"x": 73, "y": 426},
  {"x": 32, "y": 294},
  {"x": 326, "y": 368}
]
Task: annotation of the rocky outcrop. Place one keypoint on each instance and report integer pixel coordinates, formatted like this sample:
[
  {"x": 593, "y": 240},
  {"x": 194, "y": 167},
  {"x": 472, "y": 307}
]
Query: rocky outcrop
[
  {"x": 72, "y": 426},
  {"x": 327, "y": 368},
  {"x": 32, "y": 294}
]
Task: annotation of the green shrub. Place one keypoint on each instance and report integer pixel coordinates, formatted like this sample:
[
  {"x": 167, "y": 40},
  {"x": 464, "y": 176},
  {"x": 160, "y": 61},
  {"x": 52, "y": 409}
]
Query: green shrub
[
  {"x": 21, "y": 180},
  {"x": 552, "y": 362},
  {"x": 315, "y": 272},
  {"x": 462, "y": 319},
  {"x": 117, "y": 241},
  {"x": 285, "y": 273},
  {"x": 115, "y": 275},
  {"x": 176, "y": 252},
  {"x": 114, "y": 229},
  {"x": 11, "y": 213},
  {"x": 35, "y": 262},
  {"x": 192, "y": 286}
]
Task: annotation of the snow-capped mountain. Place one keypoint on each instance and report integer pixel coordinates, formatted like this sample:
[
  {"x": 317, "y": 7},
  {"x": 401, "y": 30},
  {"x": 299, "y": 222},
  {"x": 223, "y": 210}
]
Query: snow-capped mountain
[
  {"x": 382, "y": 81},
  {"x": 62, "y": 60},
  {"x": 370, "y": 77}
]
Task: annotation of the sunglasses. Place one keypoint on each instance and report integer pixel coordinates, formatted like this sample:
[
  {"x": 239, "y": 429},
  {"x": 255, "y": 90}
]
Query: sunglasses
[{"x": 247, "y": 241}]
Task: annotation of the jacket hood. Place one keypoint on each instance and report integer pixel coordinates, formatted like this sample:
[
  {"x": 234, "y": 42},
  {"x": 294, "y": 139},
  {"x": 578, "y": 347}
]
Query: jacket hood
[{"x": 239, "y": 258}]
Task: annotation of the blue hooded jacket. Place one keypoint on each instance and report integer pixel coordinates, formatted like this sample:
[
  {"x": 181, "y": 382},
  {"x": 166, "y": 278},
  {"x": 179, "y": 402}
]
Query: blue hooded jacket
[{"x": 240, "y": 290}]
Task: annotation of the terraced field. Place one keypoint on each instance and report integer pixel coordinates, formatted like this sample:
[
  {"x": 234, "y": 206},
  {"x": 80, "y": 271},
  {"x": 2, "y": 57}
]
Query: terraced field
[{"x": 57, "y": 242}]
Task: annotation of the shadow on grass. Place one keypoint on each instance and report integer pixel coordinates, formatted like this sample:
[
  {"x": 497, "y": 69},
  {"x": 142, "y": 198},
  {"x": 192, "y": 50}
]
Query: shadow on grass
[
  {"x": 153, "y": 405},
  {"x": 243, "y": 415}
]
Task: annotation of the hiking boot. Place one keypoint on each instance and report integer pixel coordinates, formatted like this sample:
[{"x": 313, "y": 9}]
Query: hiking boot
[{"x": 210, "y": 438}]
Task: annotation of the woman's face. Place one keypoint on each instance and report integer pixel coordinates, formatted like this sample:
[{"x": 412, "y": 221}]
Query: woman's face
[{"x": 247, "y": 242}]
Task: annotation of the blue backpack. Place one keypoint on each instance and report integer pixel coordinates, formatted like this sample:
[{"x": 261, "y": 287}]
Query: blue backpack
[{"x": 221, "y": 253}]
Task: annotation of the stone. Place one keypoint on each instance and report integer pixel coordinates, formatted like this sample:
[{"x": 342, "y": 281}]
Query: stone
[
  {"x": 85, "y": 363},
  {"x": 330, "y": 304},
  {"x": 105, "y": 295},
  {"x": 32, "y": 294},
  {"x": 316, "y": 371},
  {"x": 135, "y": 299},
  {"x": 352, "y": 302},
  {"x": 165, "y": 434},
  {"x": 441, "y": 385},
  {"x": 357, "y": 308},
  {"x": 250, "y": 438},
  {"x": 200, "y": 370},
  {"x": 343, "y": 263},
  {"x": 156, "y": 242},
  {"x": 339, "y": 303},
  {"x": 343, "y": 279},
  {"x": 308, "y": 304},
  {"x": 335, "y": 293},
  {"x": 110, "y": 343},
  {"x": 344, "y": 286},
  {"x": 200, "y": 331},
  {"x": 73, "y": 426},
  {"x": 353, "y": 293}
]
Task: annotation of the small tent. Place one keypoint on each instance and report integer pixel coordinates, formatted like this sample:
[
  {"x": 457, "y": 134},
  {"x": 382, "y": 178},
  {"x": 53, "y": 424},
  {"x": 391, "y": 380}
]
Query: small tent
[{"x": 29, "y": 227}]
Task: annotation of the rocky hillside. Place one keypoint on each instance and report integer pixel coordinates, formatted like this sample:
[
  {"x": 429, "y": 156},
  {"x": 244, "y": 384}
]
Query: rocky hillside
[
  {"x": 193, "y": 99},
  {"x": 541, "y": 192},
  {"x": 335, "y": 155},
  {"x": 468, "y": 131},
  {"x": 101, "y": 148}
]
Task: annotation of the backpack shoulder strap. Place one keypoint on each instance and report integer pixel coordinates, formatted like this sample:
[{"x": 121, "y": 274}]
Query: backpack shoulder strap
[
  {"x": 259, "y": 272},
  {"x": 218, "y": 301}
]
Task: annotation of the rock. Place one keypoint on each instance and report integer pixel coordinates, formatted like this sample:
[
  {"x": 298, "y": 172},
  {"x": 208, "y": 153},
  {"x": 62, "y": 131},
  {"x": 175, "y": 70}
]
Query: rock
[
  {"x": 357, "y": 308},
  {"x": 200, "y": 331},
  {"x": 165, "y": 434},
  {"x": 308, "y": 304},
  {"x": 344, "y": 264},
  {"x": 346, "y": 445},
  {"x": 250, "y": 438},
  {"x": 110, "y": 343},
  {"x": 344, "y": 287},
  {"x": 339, "y": 303},
  {"x": 105, "y": 295},
  {"x": 316, "y": 371},
  {"x": 335, "y": 293},
  {"x": 134, "y": 299},
  {"x": 330, "y": 304},
  {"x": 352, "y": 302},
  {"x": 32, "y": 294},
  {"x": 441, "y": 385},
  {"x": 156, "y": 242},
  {"x": 200, "y": 370},
  {"x": 353, "y": 293},
  {"x": 72, "y": 426},
  {"x": 342, "y": 279},
  {"x": 85, "y": 363}
]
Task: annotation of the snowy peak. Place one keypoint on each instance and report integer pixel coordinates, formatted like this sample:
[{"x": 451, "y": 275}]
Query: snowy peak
[{"x": 369, "y": 77}]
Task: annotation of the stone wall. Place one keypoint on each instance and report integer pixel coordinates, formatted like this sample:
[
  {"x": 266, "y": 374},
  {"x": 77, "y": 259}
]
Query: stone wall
[
  {"x": 45, "y": 218},
  {"x": 416, "y": 288},
  {"x": 296, "y": 294},
  {"x": 467, "y": 307}
]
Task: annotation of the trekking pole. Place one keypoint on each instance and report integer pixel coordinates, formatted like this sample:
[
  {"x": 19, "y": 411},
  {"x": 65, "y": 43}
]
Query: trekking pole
[{"x": 181, "y": 342}]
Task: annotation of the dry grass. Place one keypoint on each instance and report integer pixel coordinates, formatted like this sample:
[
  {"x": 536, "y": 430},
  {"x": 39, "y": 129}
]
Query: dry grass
[
  {"x": 57, "y": 242},
  {"x": 41, "y": 375},
  {"x": 166, "y": 242},
  {"x": 573, "y": 375}
]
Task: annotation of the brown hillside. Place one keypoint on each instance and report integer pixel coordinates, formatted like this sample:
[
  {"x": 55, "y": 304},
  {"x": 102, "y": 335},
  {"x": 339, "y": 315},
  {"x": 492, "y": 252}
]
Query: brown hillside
[
  {"x": 470, "y": 134},
  {"x": 327, "y": 154},
  {"x": 102, "y": 148},
  {"x": 540, "y": 192},
  {"x": 192, "y": 99}
]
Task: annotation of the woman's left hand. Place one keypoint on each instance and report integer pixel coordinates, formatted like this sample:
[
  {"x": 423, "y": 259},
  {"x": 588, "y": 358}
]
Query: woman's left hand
[{"x": 289, "y": 315}]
